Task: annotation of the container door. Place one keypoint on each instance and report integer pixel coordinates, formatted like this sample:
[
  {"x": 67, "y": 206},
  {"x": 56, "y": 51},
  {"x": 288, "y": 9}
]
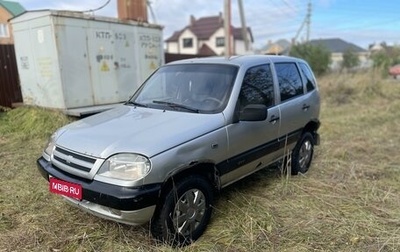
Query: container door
[
  {"x": 74, "y": 63},
  {"x": 102, "y": 58},
  {"x": 150, "y": 51},
  {"x": 125, "y": 62},
  {"x": 45, "y": 90}
]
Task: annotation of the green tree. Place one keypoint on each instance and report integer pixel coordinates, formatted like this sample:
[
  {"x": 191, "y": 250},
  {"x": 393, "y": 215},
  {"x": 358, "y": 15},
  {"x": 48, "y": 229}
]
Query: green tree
[
  {"x": 381, "y": 59},
  {"x": 318, "y": 57},
  {"x": 350, "y": 59},
  {"x": 386, "y": 58}
]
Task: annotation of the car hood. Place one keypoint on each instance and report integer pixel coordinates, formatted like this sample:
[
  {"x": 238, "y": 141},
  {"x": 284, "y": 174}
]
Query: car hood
[{"x": 127, "y": 129}]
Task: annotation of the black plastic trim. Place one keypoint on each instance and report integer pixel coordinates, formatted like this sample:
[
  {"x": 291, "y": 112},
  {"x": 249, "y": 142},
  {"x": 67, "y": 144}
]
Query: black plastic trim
[
  {"x": 249, "y": 156},
  {"x": 117, "y": 197},
  {"x": 73, "y": 165},
  {"x": 76, "y": 156}
]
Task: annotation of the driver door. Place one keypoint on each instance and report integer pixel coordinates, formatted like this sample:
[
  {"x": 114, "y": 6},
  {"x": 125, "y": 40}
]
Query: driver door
[{"x": 253, "y": 144}]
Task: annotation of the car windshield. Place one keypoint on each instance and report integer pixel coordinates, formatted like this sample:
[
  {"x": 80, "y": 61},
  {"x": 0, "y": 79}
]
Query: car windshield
[{"x": 197, "y": 88}]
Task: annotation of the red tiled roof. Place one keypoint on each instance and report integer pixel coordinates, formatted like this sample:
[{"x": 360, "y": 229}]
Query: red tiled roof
[
  {"x": 204, "y": 27},
  {"x": 205, "y": 50},
  {"x": 175, "y": 36},
  {"x": 237, "y": 33}
]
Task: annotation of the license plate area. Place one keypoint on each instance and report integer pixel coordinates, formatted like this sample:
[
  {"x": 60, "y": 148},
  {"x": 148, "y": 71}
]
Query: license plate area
[{"x": 68, "y": 189}]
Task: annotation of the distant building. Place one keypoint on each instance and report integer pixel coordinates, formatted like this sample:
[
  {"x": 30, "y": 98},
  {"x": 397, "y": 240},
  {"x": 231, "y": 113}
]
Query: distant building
[
  {"x": 8, "y": 10},
  {"x": 206, "y": 36},
  {"x": 391, "y": 51},
  {"x": 279, "y": 47},
  {"x": 377, "y": 47},
  {"x": 338, "y": 47}
]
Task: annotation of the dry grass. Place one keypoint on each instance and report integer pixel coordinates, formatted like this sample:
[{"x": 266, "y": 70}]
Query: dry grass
[{"x": 347, "y": 202}]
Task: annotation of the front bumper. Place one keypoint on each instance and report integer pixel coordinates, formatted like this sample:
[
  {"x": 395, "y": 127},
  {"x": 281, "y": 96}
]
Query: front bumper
[{"x": 130, "y": 205}]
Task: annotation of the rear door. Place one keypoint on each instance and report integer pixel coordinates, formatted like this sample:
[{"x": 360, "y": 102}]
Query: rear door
[{"x": 294, "y": 105}]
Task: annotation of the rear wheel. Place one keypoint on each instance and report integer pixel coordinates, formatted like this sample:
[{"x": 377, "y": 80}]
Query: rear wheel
[
  {"x": 302, "y": 154},
  {"x": 185, "y": 213}
]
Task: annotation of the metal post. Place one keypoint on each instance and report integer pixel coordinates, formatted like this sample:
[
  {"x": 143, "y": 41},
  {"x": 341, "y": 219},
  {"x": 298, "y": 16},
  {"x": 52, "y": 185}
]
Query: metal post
[
  {"x": 227, "y": 27},
  {"x": 309, "y": 10},
  {"x": 244, "y": 27}
]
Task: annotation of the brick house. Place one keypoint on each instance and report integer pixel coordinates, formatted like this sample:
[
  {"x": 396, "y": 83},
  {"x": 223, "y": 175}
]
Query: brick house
[
  {"x": 206, "y": 36},
  {"x": 8, "y": 10}
]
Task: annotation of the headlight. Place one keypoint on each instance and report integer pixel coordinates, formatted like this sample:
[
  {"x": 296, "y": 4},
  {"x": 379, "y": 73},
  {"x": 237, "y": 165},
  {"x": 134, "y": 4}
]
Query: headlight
[
  {"x": 125, "y": 167},
  {"x": 50, "y": 145}
]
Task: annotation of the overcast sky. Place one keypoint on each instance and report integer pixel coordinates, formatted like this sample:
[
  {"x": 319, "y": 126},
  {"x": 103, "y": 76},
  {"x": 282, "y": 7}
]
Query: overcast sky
[{"x": 358, "y": 21}]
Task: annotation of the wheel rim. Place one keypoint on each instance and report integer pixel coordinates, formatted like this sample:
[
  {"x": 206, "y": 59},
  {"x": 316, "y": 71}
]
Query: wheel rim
[
  {"x": 305, "y": 154},
  {"x": 189, "y": 211}
]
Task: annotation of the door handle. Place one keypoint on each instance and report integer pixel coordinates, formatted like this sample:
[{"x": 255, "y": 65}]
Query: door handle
[
  {"x": 305, "y": 107},
  {"x": 274, "y": 119}
]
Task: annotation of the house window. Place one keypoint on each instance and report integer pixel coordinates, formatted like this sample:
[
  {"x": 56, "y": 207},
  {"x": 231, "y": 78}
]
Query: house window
[
  {"x": 187, "y": 43},
  {"x": 4, "y": 31},
  {"x": 220, "y": 42}
]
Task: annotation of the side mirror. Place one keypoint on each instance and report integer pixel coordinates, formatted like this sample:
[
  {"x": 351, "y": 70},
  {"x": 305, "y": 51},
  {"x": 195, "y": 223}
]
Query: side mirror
[{"x": 254, "y": 112}]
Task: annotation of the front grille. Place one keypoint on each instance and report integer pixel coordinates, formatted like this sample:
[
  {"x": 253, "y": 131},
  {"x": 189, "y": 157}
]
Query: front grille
[{"x": 72, "y": 160}]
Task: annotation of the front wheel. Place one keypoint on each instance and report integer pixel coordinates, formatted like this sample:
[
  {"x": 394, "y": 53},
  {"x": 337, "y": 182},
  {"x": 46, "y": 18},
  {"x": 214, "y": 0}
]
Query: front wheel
[
  {"x": 186, "y": 212},
  {"x": 302, "y": 154}
]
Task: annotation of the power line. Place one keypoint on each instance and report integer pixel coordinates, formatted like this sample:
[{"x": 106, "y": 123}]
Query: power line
[
  {"x": 392, "y": 21},
  {"x": 288, "y": 5},
  {"x": 99, "y": 8}
]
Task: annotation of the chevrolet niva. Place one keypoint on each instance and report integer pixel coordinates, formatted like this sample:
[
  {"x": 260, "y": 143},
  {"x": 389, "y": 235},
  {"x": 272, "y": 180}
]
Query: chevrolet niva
[{"x": 194, "y": 127}]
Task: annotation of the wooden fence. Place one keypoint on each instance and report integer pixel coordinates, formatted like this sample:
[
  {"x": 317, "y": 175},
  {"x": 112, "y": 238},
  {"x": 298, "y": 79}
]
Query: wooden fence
[{"x": 10, "y": 90}]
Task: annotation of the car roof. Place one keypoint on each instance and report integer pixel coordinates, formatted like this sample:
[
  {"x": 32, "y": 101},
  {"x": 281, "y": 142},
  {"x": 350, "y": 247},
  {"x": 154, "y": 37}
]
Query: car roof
[{"x": 242, "y": 60}]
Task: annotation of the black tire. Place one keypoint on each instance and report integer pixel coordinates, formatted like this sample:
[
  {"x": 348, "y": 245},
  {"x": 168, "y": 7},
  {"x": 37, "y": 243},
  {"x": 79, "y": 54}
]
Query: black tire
[
  {"x": 190, "y": 200},
  {"x": 302, "y": 154}
]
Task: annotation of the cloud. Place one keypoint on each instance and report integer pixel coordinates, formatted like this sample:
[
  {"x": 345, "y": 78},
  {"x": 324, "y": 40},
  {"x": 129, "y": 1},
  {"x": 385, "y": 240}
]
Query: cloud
[
  {"x": 269, "y": 20},
  {"x": 75, "y": 5}
]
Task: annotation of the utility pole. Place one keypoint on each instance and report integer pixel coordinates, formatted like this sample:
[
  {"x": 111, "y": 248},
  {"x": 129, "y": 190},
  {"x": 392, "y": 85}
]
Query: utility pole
[
  {"x": 153, "y": 16},
  {"x": 227, "y": 28},
  {"x": 244, "y": 27},
  {"x": 308, "y": 20}
]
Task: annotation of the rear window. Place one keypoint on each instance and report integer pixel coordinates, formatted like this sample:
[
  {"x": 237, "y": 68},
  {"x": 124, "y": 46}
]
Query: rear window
[
  {"x": 290, "y": 83},
  {"x": 309, "y": 78}
]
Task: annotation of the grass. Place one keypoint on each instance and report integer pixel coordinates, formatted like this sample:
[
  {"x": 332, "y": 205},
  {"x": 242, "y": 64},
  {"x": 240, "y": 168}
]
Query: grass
[{"x": 348, "y": 201}]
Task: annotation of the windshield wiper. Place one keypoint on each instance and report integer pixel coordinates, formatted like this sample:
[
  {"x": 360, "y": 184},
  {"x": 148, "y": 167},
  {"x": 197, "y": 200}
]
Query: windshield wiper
[
  {"x": 136, "y": 104},
  {"x": 177, "y": 105}
]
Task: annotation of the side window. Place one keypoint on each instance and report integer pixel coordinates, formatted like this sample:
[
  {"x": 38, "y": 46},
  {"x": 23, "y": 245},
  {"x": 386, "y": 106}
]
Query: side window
[
  {"x": 310, "y": 81},
  {"x": 290, "y": 84},
  {"x": 257, "y": 87}
]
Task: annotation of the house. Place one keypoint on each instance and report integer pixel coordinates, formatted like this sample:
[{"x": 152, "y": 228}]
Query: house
[
  {"x": 391, "y": 51},
  {"x": 338, "y": 47},
  {"x": 8, "y": 10},
  {"x": 376, "y": 47},
  {"x": 206, "y": 36},
  {"x": 279, "y": 47}
]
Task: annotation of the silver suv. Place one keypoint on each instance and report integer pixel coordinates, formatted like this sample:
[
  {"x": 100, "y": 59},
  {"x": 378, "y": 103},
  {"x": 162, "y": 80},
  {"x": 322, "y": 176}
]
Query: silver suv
[{"x": 194, "y": 127}]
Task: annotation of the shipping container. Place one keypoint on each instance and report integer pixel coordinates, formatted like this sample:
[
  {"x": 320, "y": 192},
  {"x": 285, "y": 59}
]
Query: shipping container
[{"x": 79, "y": 62}]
